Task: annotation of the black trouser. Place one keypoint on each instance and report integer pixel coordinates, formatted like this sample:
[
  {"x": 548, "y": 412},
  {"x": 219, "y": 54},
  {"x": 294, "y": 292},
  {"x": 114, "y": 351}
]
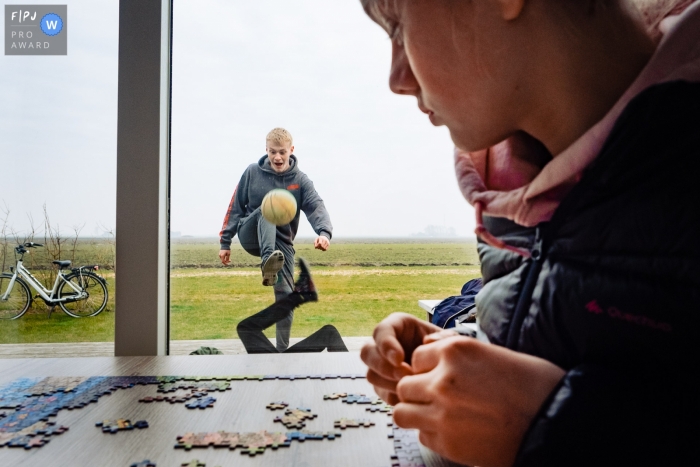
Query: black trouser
[
  {"x": 259, "y": 238},
  {"x": 250, "y": 331}
]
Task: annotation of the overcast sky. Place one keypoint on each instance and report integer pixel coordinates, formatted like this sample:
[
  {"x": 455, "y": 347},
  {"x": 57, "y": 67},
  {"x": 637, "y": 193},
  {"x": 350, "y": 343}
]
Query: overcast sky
[{"x": 240, "y": 68}]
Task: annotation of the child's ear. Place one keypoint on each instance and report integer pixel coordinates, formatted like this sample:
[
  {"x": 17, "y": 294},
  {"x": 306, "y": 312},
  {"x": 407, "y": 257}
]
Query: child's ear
[
  {"x": 291, "y": 150},
  {"x": 510, "y": 9}
]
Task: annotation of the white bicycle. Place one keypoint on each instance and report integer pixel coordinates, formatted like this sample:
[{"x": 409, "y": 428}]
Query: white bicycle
[{"x": 80, "y": 293}]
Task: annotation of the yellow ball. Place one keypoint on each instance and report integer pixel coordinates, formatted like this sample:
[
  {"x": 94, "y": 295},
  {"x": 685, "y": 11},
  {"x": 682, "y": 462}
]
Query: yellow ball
[{"x": 279, "y": 206}]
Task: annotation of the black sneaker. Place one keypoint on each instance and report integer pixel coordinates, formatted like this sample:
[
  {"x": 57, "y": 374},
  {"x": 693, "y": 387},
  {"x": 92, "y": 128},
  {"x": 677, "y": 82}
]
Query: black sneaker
[
  {"x": 305, "y": 286},
  {"x": 271, "y": 267}
]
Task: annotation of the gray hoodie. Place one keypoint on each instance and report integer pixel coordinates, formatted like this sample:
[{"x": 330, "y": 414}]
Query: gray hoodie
[{"x": 257, "y": 180}]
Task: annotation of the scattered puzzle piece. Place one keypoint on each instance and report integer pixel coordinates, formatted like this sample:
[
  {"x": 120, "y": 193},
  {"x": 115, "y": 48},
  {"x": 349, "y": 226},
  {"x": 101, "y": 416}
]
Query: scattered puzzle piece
[
  {"x": 302, "y": 436},
  {"x": 296, "y": 418},
  {"x": 357, "y": 399},
  {"x": 193, "y": 463},
  {"x": 144, "y": 463},
  {"x": 203, "y": 385},
  {"x": 112, "y": 426},
  {"x": 199, "y": 440},
  {"x": 255, "y": 443},
  {"x": 175, "y": 398},
  {"x": 201, "y": 403},
  {"x": 335, "y": 395},
  {"x": 277, "y": 405},
  {"x": 343, "y": 423},
  {"x": 122, "y": 424},
  {"x": 381, "y": 407},
  {"x": 250, "y": 443}
]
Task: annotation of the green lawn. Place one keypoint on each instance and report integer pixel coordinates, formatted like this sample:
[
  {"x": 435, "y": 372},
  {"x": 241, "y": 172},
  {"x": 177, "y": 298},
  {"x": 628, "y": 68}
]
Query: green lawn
[
  {"x": 208, "y": 305},
  {"x": 359, "y": 282},
  {"x": 36, "y": 326},
  {"x": 204, "y": 253},
  {"x": 353, "y": 303}
]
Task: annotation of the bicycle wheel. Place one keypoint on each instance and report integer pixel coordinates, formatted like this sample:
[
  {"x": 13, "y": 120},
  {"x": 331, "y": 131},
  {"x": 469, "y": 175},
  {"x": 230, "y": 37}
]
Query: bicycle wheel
[
  {"x": 96, "y": 299},
  {"x": 18, "y": 300}
]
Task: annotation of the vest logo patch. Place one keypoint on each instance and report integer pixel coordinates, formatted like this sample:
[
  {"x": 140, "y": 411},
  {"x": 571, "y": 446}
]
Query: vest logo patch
[
  {"x": 617, "y": 314},
  {"x": 293, "y": 187}
]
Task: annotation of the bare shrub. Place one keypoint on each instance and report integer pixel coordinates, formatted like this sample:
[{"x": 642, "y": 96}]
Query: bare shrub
[{"x": 105, "y": 257}]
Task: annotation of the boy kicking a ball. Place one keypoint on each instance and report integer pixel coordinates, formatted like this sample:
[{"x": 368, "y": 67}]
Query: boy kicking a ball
[{"x": 274, "y": 244}]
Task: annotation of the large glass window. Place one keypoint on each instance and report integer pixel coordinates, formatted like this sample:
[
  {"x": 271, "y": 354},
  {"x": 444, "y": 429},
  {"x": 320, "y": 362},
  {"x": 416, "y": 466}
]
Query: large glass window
[
  {"x": 401, "y": 230},
  {"x": 58, "y": 124}
]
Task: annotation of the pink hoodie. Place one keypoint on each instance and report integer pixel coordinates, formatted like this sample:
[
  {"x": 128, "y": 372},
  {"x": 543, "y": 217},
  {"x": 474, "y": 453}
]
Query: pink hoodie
[{"x": 480, "y": 173}]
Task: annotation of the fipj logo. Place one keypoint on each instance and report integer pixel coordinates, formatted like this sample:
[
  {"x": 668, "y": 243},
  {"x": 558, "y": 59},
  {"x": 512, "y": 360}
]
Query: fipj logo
[{"x": 36, "y": 29}]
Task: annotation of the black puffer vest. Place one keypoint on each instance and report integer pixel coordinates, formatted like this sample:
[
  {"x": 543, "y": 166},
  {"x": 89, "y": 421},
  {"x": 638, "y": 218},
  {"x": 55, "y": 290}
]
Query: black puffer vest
[{"x": 612, "y": 292}]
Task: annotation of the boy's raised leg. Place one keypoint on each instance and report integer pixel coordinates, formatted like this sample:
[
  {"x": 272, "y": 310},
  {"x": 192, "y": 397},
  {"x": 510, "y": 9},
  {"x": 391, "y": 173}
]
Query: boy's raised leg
[
  {"x": 273, "y": 259},
  {"x": 258, "y": 237}
]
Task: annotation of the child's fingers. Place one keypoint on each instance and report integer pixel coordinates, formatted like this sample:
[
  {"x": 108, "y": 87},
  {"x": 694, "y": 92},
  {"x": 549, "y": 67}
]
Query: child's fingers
[{"x": 436, "y": 336}]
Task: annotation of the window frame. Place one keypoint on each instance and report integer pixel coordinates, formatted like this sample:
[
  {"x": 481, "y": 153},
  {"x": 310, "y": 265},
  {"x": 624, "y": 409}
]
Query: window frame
[{"x": 142, "y": 292}]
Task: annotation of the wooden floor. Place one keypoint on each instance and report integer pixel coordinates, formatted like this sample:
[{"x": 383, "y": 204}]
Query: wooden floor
[{"x": 106, "y": 349}]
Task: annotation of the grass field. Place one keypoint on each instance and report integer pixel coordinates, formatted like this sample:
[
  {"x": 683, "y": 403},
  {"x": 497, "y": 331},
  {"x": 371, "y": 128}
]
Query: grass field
[
  {"x": 187, "y": 253},
  {"x": 360, "y": 282}
]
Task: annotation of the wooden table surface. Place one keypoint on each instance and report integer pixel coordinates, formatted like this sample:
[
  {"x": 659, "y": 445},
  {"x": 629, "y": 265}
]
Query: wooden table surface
[{"x": 240, "y": 409}]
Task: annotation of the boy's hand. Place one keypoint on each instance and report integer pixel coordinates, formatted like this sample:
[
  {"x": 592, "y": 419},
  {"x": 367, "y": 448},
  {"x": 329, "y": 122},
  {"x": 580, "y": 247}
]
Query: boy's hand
[
  {"x": 322, "y": 243},
  {"x": 395, "y": 340},
  {"x": 225, "y": 257},
  {"x": 471, "y": 401}
]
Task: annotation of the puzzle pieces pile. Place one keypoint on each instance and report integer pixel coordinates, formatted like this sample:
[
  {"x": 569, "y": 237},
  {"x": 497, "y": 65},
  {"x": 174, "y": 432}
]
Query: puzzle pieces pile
[
  {"x": 32, "y": 436},
  {"x": 33, "y": 400},
  {"x": 27, "y": 404}
]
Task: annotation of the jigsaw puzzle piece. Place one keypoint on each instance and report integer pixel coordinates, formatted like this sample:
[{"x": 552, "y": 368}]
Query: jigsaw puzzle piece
[
  {"x": 143, "y": 463},
  {"x": 277, "y": 405},
  {"x": 344, "y": 423}
]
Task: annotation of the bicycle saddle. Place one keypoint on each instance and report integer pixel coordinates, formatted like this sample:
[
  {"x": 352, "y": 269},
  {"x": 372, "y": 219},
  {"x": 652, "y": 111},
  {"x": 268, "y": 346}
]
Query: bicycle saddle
[{"x": 62, "y": 264}]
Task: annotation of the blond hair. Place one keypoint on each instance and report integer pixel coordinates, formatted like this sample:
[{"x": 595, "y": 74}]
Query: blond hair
[{"x": 279, "y": 135}]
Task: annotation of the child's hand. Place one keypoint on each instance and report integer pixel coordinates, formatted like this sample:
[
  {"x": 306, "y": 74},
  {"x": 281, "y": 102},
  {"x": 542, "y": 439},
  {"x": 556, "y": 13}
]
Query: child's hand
[
  {"x": 322, "y": 243},
  {"x": 225, "y": 257},
  {"x": 471, "y": 401},
  {"x": 395, "y": 339}
]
